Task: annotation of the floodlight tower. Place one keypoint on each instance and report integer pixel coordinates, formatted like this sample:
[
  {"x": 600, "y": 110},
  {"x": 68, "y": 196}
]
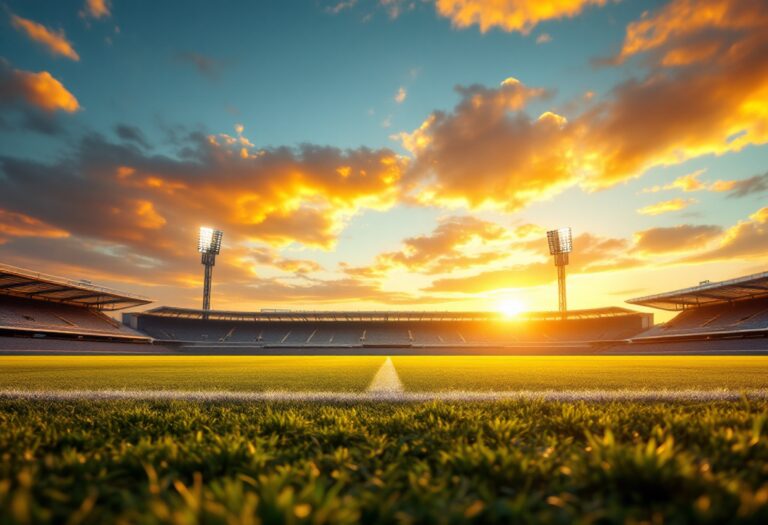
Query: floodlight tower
[
  {"x": 209, "y": 245},
  {"x": 560, "y": 245}
]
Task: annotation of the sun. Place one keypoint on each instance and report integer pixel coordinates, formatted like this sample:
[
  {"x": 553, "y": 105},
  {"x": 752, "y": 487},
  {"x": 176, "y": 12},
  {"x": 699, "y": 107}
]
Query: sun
[{"x": 510, "y": 308}]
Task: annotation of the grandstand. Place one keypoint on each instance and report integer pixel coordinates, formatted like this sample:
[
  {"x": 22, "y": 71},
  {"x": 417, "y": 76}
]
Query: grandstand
[
  {"x": 716, "y": 317},
  {"x": 39, "y": 306},
  {"x": 197, "y": 329}
]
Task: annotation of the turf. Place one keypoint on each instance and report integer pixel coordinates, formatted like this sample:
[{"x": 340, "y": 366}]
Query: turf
[
  {"x": 353, "y": 374},
  {"x": 514, "y": 462},
  {"x": 420, "y": 373},
  {"x": 232, "y": 373}
]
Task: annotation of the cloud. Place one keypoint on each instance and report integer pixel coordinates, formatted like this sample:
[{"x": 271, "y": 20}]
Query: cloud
[
  {"x": 400, "y": 95},
  {"x": 154, "y": 203},
  {"x": 55, "y": 41},
  {"x": 686, "y": 183},
  {"x": 338, "y": 7},
  {"x": 750, "y": 186},
  {"x": 685, "y": 237},
  {"x": 456, "y": 243},
  {"x": 746, "y": 239},
  {"x": 544, "y": 38},
  {"x": 488, "y": 153},
  {"x": 655, "y": 120},
  {"x": 666, "y": 206},
  {"x": 31, "y": 100},
  {"x": 207, "y": 66},
  {"x": 132, "y": 134},
  {"x": 591, "y": 254},
  {"x": 512, "y": 15},
  {"x": 96, "y": 9},
  {"x": 19, "y": 225}
]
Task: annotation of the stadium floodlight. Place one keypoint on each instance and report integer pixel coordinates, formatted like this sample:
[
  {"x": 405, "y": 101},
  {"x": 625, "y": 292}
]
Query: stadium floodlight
[
  {"x": 560, "y": 245},
  {"x": 209, "y": 245}
]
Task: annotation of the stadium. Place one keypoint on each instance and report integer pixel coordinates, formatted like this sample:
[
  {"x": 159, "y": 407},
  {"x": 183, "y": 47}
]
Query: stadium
[{"x": 43, "y": 313}]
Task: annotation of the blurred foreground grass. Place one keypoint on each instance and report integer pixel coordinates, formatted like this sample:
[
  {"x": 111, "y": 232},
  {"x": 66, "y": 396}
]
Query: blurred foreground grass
[{"x": 508, "y": 462}]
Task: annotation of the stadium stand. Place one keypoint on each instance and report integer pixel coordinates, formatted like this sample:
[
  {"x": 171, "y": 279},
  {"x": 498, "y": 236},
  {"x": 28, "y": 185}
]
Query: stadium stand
[
  {"x": 721, "y": 317},
  {"x": 35, "y": 305},
  {"x": 294, "y": 329}
]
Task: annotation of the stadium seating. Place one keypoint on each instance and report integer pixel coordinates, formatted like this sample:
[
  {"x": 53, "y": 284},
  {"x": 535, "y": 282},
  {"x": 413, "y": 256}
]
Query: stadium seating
[
  {"x": 361, "y": 333},
  {"x": 750, "y": 314},
  {"x": 19, "y": 314}
]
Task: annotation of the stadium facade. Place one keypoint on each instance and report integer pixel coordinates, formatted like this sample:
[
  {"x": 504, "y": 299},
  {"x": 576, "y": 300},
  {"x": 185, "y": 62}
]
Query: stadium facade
[{"x": 40, "y": 312}]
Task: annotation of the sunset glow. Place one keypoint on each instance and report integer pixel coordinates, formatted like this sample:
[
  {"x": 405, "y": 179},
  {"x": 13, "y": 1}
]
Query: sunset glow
[{"x": 359, "y": 168}]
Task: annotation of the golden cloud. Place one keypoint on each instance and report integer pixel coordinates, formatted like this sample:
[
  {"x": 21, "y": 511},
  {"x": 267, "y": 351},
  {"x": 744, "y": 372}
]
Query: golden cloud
[
  {"x": 39, "y": 90},
  {"x": 746, "y": 239},
  {"x": 456, "y": 243},
  {"x": 685, "y": 237},
  {"x": 487, "y": 153},
  {"x": 154, "y": 204},
  {"x": 14, "y": 224},
  {"x": 55, "y": 41},
  {"x": 510, "y": 15},
  {"x": 594, "y": 254},
  {"x": 666, "y": 206},
  {"x": 96, "y": 9},
  {"x": 655, "y": 120}
]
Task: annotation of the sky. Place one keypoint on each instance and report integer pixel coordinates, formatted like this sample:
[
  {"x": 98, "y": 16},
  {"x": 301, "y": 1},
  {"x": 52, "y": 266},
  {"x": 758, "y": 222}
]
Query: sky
[{"x": 385, "y": 154}]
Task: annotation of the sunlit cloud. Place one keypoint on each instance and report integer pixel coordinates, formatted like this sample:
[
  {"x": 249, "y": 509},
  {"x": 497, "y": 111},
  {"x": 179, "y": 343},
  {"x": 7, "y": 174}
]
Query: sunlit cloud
[
  {"x": 401, "y": 95},
  {"x": 665, "y": 206},
  {"x": 488, "y": 153},
  {"x": 654, "y": 120},
  {"x": 685, "y": 237},
  {"x": 746, "y": 239},
  {"x": 54, "y": 41},
  {"x": 544, "y": 38},
  {"x": 96, "y": 9},
  {"x": 511, "y": 15},
  {"x": 19, "y": 225},
  {"x": 40, "y": 90}
]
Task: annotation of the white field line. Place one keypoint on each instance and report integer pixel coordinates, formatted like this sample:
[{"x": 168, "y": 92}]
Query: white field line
[
  {"x": 386, "y": 380},
  {"x": 600, "y": 396}
]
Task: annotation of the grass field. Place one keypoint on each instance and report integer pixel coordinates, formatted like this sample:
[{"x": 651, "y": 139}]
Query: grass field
[
  {"x": 353, "y": 374},
  {"x": 137, "y": 460}
]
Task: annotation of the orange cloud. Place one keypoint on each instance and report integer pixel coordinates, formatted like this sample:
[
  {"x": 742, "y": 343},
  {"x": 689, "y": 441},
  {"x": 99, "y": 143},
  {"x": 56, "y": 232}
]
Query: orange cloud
[
  {"x": 593, "y": 254},
  {"x": 684, "y": 237},
  {"x": 665, "y": 206},
  {"x": 510, "y": 15},
  {"x": 487, "y": 153},
  {"x": 96, "y": 9},
  {"x": 39, "y": 90},
  {"x": 655, "y": 120},
  {"x": 746, "y": 239},
  {"x": 154, "y": 204},
  {"x": 55, "y": 41},
  {"x": 456, "y": 243},
  {"x": 14, "y": 224},
  {"x": 401, "y": 95}
]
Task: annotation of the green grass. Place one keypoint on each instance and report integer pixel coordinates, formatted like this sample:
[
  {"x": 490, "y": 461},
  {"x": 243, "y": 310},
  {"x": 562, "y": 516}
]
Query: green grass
[
  {"x": 418, "y": 373},
  {"x": 515, "y": 462},
  {"x": 422, "y": 373},
  {"x": 237, "y": 373}
]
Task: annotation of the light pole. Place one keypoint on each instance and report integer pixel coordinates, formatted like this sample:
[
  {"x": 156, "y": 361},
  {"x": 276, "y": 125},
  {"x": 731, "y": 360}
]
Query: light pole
[
  {"x": 560, "y": 245},
  {"x": 209, "y": 245}
]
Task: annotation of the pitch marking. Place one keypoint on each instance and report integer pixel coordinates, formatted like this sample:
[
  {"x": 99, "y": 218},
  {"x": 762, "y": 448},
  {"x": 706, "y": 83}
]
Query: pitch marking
[
  {"x": 386, "y": 380},
  {"x": 598, "y": 396}
]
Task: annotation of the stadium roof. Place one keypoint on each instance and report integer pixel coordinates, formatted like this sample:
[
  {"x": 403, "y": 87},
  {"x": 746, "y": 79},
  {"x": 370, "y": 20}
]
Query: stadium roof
[
  {"x": 307, "y": 316},
  {"x": 33, "y": 285},
  {"x": 747, "y": 287}
]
